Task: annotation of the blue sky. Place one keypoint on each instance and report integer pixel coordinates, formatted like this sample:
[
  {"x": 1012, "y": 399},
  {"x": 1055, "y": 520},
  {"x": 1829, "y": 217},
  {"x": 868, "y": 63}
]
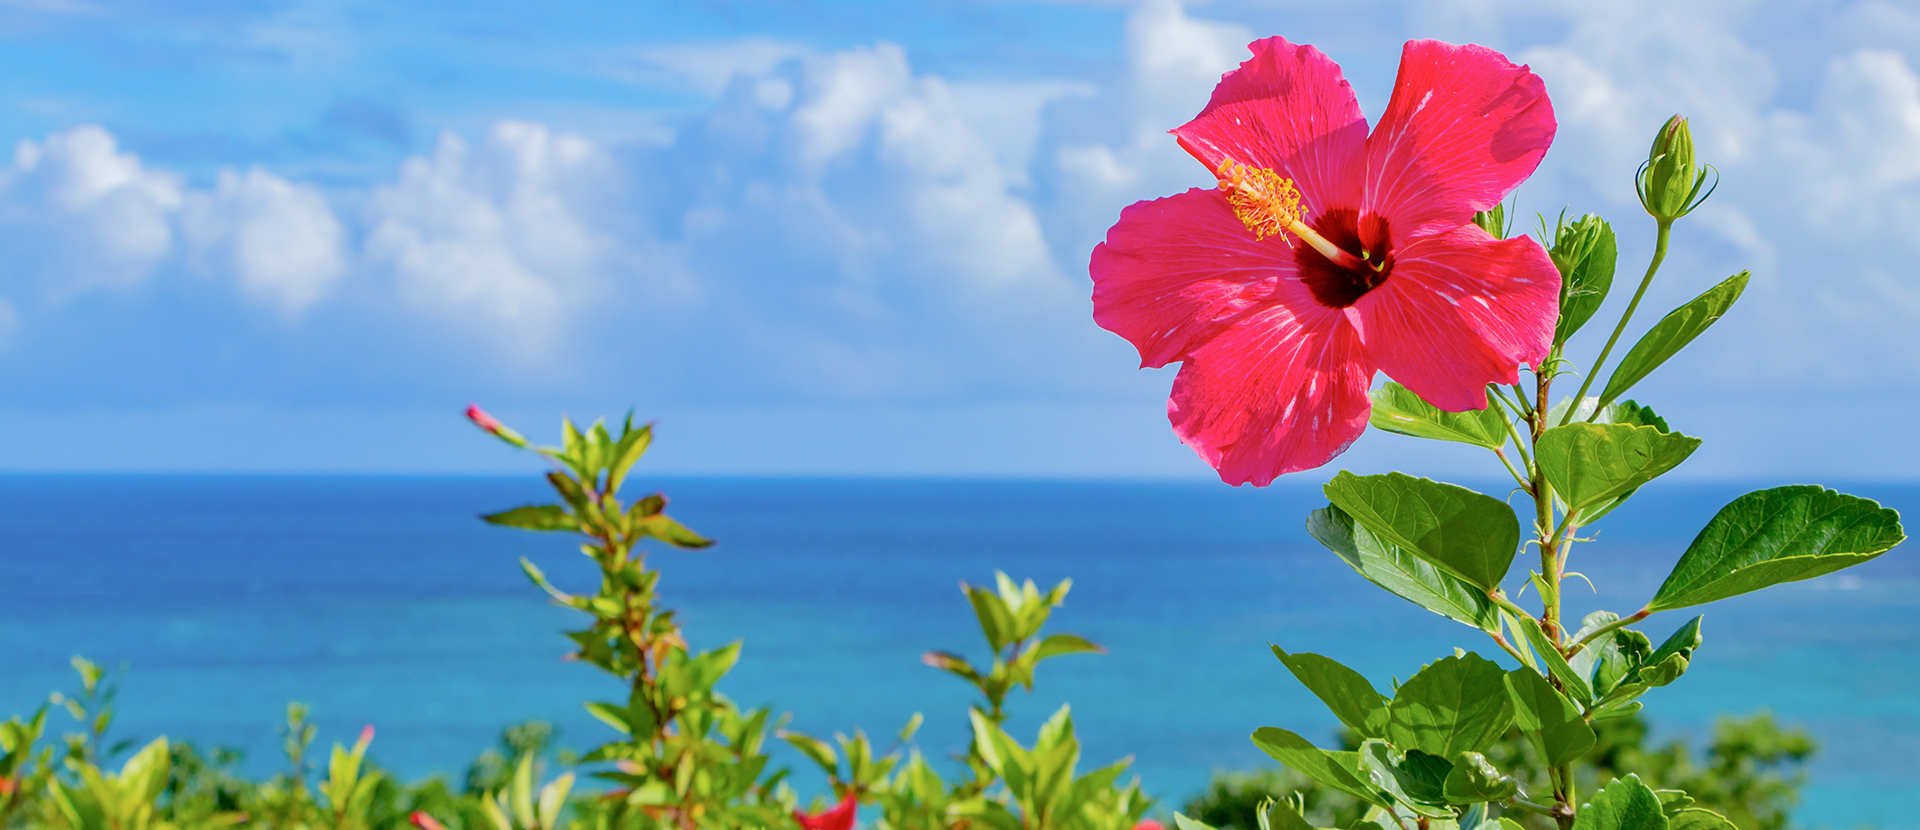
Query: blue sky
[{"x": 839, "y": 237}]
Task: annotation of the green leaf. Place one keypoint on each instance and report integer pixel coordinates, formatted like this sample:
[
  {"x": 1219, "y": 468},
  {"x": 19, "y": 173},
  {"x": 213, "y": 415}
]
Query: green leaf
[
  {"x": 1415, "y": 779},
  {"x": 1673, "y": 801},
  {"x": 1351, "y": 698},
  {"x": 633, "y": 444},
  {"x": 1626, "y": 804},
  {"x": 1589, "y": 464},
  {"x": 1670, "y": 661},
  {"x": 1183, "y": 823},
  {"x": 996, "y": 620},
  {"x": 1455, "y": 704},
  {"x": 950, "y": 662},
  {"x": 535, "y": 517},
  {"x": 1398, "y": 409},
  {"x": 614, "y": 716},
  {"x": 1633, "y": 414},
  {"x": 1555, "y": 662},
  {"x": 1057, "y": 644},
  {"x": 1698, "y": 818},
  {"x": 1339, "y": 770},
  {"x": 1548, "y": 718},
  {"x": 1585, "y": 252},
  {"x": 815, "y": 750},
  {"x": 1780, "y": 535},
  {"x": 669, "y": 531},
  {"x": 1474, "y": 780},
  {"x": 1493, "y": 221},
  {"x": 1404, "y": 575},
  {"x": 1470, "y": 535},
  {"x": 1619, "y": 655},
  {"x": 1280, "y": 814},
  {"x": 1625, "y": 707},
  {"x": 1672, "y": 334}
]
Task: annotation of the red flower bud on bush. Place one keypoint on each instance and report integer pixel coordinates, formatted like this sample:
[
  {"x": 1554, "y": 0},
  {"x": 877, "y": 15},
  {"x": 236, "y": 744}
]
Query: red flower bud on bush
[{"x": 839, "y": 818}]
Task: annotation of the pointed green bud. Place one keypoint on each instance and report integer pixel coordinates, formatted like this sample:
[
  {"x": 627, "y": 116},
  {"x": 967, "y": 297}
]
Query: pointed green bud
[
  {"x": 1493, "y": 221},
  {"x": 1670, "y": 183}
]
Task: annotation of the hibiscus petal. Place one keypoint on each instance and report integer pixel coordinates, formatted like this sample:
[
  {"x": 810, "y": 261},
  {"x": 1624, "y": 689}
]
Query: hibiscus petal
[
  {"x": 1280, "y": 391},
  {"x": 1460, "y": 311},
  {"x": 1463, "y": 128},
  {"x": 1289, "y": 110},
  {"x": 1176, "y": 271}
]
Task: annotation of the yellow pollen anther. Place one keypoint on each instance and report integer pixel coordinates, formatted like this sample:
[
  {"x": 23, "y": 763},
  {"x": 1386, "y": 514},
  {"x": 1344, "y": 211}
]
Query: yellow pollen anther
[
  {"x": 1268, "y": 203},
  {"x": 1265, "y": 202}
]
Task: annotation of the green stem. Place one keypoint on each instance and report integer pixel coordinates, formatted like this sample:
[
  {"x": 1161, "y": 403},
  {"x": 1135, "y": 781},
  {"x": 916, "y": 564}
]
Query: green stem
[
  {"x": 1521, "y": 395},
  {"x": 1531, "y": 807},
  {"x": 1659, "y": 254},
  {"x": 1519, "y": 444},
  {"x": 1517, "y": 477},
  {"x": 1550, "y": 565},
  {"x": 1609, "y": 628},
  {"x": 1508, "y": 647},
  {"x": 1500, "y": 598}
]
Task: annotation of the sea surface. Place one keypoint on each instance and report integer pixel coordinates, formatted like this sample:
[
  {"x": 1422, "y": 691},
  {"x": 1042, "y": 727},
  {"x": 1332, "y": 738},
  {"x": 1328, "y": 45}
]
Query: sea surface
[{"x": 383, "y": 600}]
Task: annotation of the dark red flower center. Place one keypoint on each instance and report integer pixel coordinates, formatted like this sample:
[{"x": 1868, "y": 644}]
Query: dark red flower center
[{"x": 1335, "y": 285}]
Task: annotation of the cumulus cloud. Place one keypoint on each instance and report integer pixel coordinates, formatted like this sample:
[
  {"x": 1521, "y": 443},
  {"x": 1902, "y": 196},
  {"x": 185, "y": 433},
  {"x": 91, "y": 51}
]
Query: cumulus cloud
[
  {"x": 1819, "y": 199},
  {"x": 902, "y": 165},
  {"x": 278, "y": 239},
  {"x": 502, "y": 236},
  {"x": 1174, "y": 59},
  {"x": 79, "y": 213}
]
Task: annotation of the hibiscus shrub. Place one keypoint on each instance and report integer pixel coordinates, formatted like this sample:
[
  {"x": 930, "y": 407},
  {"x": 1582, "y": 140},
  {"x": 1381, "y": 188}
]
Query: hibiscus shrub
[{"x": 1329, "y": 253}]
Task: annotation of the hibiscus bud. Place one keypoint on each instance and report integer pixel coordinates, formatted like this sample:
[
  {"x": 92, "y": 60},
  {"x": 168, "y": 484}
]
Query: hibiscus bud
[
  {"x": 7, "y": 786},
  {"x": 481, "y": 419},
  {"x": 1493, "y": 221},
  {"x": 423, "y": 821},
  {"x": 1670, "y": 182}
]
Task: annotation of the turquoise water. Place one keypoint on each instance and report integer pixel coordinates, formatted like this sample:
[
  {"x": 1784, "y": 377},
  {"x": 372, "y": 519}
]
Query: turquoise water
[{"x": 383, "y": 601}]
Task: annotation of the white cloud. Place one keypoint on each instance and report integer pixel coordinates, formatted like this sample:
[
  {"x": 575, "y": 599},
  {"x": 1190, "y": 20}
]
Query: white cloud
[
  {"x": 280, "y": 240},
  {"x": 1820, "y": 200},
  {"x": 890, "y": 168},
  {"x": 707, "y": 67},
  {"x": 501, "y": 237},
  {"x": 78, "y": 213},
  {"x": 1173, "y": 62}
]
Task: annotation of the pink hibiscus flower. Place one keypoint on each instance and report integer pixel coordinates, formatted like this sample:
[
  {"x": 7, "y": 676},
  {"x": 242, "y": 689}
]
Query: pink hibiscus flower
[{"x": 1327, "y": 254}]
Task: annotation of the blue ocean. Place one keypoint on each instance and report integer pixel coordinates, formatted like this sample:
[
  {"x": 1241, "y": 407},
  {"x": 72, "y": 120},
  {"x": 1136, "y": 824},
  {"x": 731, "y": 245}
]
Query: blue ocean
[{"x": 383, "y": 600}]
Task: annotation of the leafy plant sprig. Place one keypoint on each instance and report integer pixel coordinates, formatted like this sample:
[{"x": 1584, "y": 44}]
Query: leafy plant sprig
[
  {"x": 1421, "y": 762},
  {"x": 688, "y": 757}
]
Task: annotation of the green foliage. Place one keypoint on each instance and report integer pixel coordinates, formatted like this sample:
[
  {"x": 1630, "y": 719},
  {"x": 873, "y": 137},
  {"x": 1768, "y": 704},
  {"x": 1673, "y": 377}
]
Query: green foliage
[
  {"x": 1348, "y": 694},
  {"x": 1779, "y": 535},
  {"x": 1751, "y": 771},
  {"x": 1398, "y": 409},
  {"x": 1455, "y": 704},
  {"x": 1438, "y": 754},
  {"x": 1585, "y": 253},
  {"x": 1548, "y": 718},
  {"x": 1672, "y": 334},
  {"x": 1403, "y": 574},
  {"x": 1591, "y": 465},
  {"x": 1464, "y": 533}
]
